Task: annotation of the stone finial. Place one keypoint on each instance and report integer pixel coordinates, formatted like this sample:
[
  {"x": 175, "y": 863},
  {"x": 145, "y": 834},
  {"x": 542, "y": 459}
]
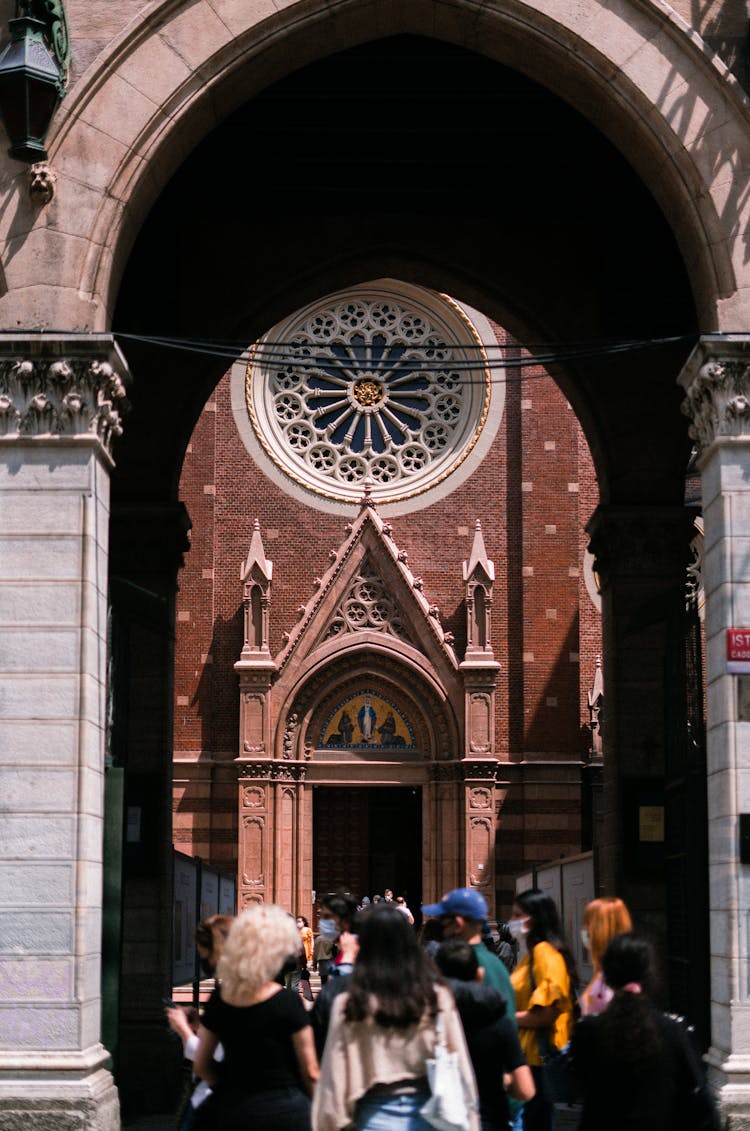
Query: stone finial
[
  {"x": 478, "y": 557},
  {"x": 596, "y": 707},
  {"x": 367, "y": 499},
  {"x": 256, "y": 558}
]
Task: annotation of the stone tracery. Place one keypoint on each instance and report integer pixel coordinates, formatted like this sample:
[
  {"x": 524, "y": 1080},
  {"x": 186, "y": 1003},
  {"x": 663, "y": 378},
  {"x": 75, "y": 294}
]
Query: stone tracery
[{"x": 382, "y": 386}]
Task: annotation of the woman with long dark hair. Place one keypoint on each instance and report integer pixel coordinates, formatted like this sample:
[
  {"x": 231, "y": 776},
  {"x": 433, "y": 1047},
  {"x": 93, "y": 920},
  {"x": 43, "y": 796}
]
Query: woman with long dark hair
[
  {"x": 383, "y": 1030},
  {"x": 636, "y": 1066},
  {"x": 544, "y": 981}
]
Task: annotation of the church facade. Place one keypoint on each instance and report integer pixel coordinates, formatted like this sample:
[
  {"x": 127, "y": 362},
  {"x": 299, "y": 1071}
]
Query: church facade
[
  {"x": 408, "y": 711},
  {"x": 264, "y": 240}
]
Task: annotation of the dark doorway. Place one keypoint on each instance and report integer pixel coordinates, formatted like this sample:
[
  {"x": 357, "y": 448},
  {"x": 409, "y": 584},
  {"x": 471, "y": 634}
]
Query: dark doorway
[{"x": 367, "y": 840}]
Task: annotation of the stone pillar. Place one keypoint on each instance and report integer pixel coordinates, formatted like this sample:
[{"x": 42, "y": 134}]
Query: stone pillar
[
  {"x": 716, "y": 379},
  {"x": 641, "y": 556},
  {"x": 59, "y": 398},
  {"x": 275, "y": 830},
  {"x": 481, "y": 826}
]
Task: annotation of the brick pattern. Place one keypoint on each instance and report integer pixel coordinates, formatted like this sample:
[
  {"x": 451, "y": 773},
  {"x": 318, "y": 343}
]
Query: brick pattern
[{"x": 534, "y": 492}]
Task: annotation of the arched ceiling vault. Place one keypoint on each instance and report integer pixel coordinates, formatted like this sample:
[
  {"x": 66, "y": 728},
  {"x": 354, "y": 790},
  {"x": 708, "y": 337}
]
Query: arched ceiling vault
[{"x": 462, "y": 175}]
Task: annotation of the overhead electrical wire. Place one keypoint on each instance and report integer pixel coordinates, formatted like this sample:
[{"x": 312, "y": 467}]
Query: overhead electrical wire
[{"x": 271, "y": 352}]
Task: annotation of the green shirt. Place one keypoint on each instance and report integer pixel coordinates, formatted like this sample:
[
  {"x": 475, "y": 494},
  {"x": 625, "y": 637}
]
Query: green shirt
[{"x": 495, "y": 974}]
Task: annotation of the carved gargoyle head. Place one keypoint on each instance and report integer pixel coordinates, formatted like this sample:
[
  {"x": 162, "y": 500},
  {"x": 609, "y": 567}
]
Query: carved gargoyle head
[{"x": 42, "y": 181}]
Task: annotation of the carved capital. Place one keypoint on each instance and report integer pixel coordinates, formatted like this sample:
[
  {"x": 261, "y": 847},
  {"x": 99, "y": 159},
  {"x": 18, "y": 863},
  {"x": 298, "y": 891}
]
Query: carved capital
[
  {"x": 273, "y": 770},
  {"x": 718, "y": 401},
  {"x": 716, "y": 380},
  {"x": 61, "y": 388},
  {"x": 482, "y": 770}
]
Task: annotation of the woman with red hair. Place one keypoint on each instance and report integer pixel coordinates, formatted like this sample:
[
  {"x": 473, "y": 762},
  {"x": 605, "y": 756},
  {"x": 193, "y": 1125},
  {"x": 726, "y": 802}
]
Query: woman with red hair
[{"x": 602, "y": 920}]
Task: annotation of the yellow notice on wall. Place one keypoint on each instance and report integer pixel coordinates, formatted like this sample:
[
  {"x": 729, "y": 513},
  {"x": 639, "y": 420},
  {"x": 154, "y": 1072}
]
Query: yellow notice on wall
[{"x": 651, "y": 823}]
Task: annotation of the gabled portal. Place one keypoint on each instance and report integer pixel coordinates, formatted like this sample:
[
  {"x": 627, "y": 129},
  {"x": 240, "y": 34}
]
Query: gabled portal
[{"x": 366, "y": 692}]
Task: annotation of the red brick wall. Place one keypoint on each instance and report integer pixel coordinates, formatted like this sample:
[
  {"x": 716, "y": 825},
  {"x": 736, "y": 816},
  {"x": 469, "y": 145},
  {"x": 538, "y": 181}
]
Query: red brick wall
[{"x": 533, "y": 492}]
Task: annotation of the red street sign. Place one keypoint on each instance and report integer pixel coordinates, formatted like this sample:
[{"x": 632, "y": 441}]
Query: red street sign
[{"x": 738, "y": 650}]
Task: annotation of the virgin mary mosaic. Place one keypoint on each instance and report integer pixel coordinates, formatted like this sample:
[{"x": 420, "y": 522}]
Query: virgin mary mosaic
[{"x": 367, "y": 720}]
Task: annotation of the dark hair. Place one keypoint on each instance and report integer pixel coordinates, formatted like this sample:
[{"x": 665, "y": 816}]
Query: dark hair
[
  {"x": 393, "y": 969},
  {"x": 457, "y": 959},
  {"x": 340, "y": 903},
  {"x": 430, "y": 931},
  {"x": 304, "y": 920},
  {"x": 628, "y": 1028},
  {"x": 211, "y": 933},
  {"x": 545, "y": 926}
]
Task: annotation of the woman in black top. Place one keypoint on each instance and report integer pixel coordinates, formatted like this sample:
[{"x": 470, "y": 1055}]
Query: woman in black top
[
  {"x": 637, "y": 1068},
  {"x": 270, "y": 1067}
]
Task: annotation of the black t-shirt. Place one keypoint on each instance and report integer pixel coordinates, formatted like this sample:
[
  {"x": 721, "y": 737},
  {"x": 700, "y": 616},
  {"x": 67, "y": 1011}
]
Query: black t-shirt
[
  {"x": 494, "y": 1048},
  {"x": 257, "y": 1039},
  {"x": 646, "y": 1097}
]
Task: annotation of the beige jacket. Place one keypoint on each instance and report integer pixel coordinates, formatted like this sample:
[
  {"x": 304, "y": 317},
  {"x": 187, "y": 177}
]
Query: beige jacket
[{"x": 360, "y": 1054}]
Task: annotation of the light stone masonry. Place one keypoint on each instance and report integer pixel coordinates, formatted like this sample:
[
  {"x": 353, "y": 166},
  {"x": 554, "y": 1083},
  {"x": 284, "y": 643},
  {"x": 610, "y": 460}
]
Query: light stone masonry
[
  {"x": 716, "y": 380},
  {"x": 59, "y": 409}
]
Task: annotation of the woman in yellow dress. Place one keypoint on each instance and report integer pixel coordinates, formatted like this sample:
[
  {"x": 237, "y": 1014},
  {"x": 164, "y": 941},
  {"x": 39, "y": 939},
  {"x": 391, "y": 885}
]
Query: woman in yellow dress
[
  {"x": 305, "y": 933},
  {"x": 544, "y": 982}
]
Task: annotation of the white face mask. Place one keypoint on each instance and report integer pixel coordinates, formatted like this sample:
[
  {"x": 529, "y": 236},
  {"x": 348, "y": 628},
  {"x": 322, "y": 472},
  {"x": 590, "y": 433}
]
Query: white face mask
[
  {"x": 585, "y": 938},
  {"x": 328, "y": 929},
  {"x": 518, "y": 928}
]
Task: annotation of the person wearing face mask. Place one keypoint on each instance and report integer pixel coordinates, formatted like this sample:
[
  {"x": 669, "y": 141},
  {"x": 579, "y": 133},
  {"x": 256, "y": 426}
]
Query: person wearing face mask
[
  {"x": 336, "y": 925},
  {"x": 602, "y": 920},
  {"x": 544, "y": 981}
]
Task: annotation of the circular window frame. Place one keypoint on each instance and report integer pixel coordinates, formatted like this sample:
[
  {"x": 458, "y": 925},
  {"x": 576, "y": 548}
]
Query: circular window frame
[{"x": 253, "y": 405}]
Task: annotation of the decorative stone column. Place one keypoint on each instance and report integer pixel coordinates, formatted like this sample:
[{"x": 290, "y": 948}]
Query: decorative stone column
[
  {"x": 59, "y": 410},
  {"x": 716, "y": 379}
]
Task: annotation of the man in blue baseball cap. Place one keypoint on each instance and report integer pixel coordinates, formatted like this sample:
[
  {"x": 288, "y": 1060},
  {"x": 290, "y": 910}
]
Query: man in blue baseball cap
[{"x": 461, "y": 913}]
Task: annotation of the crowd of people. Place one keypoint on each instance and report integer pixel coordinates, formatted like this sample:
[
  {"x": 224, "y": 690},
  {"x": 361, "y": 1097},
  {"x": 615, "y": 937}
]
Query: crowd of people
[{"x": 460, "y": 1025}]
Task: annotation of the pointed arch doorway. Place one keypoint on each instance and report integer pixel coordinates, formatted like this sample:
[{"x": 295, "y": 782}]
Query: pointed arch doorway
[{"x": 367, "y": 839}]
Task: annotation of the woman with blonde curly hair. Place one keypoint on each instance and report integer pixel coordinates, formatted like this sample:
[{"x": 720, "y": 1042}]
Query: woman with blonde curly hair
[
  {"x": 270, "y": 1065},
  {"x": 602, "y": 920}
]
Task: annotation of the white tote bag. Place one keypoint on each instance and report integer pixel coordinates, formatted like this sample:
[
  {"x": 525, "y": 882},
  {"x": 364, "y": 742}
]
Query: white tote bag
[{"x": 449, "y": 1105}]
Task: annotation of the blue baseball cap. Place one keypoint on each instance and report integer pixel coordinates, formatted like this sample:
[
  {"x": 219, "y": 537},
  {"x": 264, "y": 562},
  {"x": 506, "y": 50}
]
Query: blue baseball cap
[{"x": 467, "y": 902}]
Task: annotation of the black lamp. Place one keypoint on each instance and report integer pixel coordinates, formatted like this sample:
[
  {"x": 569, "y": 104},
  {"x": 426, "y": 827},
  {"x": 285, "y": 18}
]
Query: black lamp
[{"x": 30, "y": 89}]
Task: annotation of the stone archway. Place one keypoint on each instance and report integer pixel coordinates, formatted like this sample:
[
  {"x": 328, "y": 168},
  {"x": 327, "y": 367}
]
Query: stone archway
[
  {"x": 659, "y": 93},
  {"x": 640, "y": 78}
]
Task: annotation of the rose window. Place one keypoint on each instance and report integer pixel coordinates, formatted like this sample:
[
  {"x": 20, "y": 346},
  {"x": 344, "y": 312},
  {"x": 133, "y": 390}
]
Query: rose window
[{"x": 385, "y": 383}]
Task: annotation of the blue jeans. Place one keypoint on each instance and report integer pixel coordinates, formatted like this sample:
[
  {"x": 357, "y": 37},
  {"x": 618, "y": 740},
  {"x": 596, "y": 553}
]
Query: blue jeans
[{"x": 392, "y": 1113}]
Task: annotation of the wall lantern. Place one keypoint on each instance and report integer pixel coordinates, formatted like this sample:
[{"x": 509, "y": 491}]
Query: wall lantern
[{"x": 33, "y": 76}]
